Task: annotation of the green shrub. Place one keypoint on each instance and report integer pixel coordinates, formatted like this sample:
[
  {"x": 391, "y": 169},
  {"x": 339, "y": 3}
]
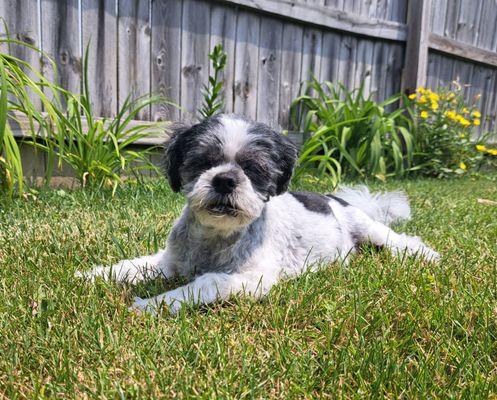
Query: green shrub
[
  {"x": 19, "y": 84},
  {"x": 444, "y": 128},
  {"x": 349, "y": 134},
  {"x": 213, "y": 102},
  {"x": 98, "y": 150}
]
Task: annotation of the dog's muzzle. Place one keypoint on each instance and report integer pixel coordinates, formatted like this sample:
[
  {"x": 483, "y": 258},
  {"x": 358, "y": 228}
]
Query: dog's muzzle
[{"x": 222, "y": 209}]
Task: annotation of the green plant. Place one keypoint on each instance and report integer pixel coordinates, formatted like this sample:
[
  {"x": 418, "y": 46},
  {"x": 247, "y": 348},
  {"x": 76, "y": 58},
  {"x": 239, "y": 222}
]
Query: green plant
[
  {"x": 350, "y": 134},
  {"x": 212, "y": 93},
  {"x": 10, "y": 160},
  {"x": 98, "y": 150},
  {"x": 19, "y": 84},
  {"x": 444, "y": 129}
]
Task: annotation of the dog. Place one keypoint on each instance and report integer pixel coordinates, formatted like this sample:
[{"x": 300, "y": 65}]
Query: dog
[{"x": 241, "y": 231}]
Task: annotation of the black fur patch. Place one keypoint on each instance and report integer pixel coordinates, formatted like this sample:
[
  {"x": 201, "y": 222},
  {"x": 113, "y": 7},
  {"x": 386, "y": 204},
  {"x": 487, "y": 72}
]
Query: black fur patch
[
  {"x": 313, "y": 202},
  {"x": 341, "y": 201}
]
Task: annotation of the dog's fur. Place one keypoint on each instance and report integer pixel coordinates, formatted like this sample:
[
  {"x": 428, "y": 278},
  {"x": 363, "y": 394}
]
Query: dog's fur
[{"x": 241, "y": 231}]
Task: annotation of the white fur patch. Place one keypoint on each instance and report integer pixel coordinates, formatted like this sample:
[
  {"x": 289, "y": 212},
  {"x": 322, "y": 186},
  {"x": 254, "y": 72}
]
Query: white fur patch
[{"x": 233, "y": 135}]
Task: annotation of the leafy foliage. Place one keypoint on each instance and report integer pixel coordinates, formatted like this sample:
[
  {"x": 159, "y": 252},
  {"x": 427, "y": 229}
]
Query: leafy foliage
[
  {"x": 444, "y": 129},
  {"x": 19, "y": 84},
  {"x": 212, "y": 93},
  {"x": 98, "y": 150},
  {"x": 349, "y": 134}
]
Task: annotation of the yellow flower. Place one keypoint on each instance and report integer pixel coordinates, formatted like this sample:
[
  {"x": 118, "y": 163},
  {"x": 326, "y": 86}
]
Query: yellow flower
[
  {"x": 422, "y": 100},
  {"x": 451, "y": 96},
  {"x": 463, "y": 166},
  {"x": 434, "y": 106},
  {"x": 465, "y": 110},
  {"x": 464, "y": 122},
  {"x": 476, "y": 122},
  {"x": 492, "y": 151},
  {"x": 434, "y": 96},
  {"x": 413, "y": 96},
  {"x": 424, "y": 114},
  {"x": 480, "y": 147},
  {"x": 476, "y": 114},
  {"x": 420, "y": 90},
  {"x": 451, "y": 115}
]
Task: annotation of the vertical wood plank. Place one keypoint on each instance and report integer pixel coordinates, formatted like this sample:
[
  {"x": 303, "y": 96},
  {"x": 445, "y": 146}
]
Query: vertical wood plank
[
  {"x": 194, "y": 56},
  {"x": 269, "y": 71},
  {"x": 134, "y": 51},
  {"x": 451, "y": 17},
  {"x": 416, "y": 55},
  {"x": 329, "y": 54},
  {"x": 381, "y": 10},
  {"x": 487, "y": 29},
  {"x": 291, "y": 62},
  {"x": 223, "y": 30},
  {"x": 375, "y": 69},
  {"x": 469, "y": 12},
  {"x": 60, "y": 41},
  {"x": 488, "y": 100},
  {"x": 312, "y": 43},
  {"x": 246, "y": 64},
  {"x": 492, "y": 109},
  {"x": 100, "y": 35},
  {"x": 166, "y": 57},
  {"x": 21, "y": 17},
  {"x": 346, "y": 53},
  {"x": 364, "y": 65},
  {"x": 438, "y": 13}
]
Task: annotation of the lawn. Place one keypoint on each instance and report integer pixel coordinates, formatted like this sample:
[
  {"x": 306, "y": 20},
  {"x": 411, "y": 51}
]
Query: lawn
[{"x": 381, "y": 327}]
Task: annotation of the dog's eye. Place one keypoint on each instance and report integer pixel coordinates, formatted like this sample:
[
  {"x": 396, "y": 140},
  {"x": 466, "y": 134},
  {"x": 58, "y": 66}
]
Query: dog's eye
[{"x": 252, "y": 169}]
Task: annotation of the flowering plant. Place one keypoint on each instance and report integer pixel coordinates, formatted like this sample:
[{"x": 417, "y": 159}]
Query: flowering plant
[{"x": 444, "y": 126}]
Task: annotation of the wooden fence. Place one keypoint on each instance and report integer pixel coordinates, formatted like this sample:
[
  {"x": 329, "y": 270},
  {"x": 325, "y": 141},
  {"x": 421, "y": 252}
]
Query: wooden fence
[{"x": 143, "y": 46}]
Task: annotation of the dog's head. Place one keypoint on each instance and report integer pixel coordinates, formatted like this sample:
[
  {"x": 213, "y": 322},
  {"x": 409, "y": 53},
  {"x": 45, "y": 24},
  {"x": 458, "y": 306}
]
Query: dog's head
[{"x": 228, "y": 167}]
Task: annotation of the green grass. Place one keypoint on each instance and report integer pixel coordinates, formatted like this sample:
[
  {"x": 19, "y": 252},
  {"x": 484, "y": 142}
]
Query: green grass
[{"x": 382, "y": 327}]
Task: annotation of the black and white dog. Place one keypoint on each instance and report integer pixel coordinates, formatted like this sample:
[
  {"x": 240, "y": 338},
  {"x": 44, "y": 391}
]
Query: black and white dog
[{"x": 240, "y": 231}]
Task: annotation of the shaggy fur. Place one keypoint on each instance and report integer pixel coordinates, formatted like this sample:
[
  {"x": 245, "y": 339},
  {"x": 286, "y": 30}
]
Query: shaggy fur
[{"x": 240, "y": 231}]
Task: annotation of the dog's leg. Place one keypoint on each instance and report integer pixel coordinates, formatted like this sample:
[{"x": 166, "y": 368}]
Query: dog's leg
[
  {"x": 368, "y": 230},
  {"x": 208, "y": 288},
  {"x": 134, "y": 270}
]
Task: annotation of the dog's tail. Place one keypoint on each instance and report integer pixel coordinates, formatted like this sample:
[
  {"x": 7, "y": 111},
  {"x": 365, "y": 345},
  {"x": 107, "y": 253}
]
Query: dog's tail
[{"x": 386, "y": 208}]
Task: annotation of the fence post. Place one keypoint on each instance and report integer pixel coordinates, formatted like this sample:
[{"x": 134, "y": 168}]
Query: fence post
[{"x": 418, "y": 32}]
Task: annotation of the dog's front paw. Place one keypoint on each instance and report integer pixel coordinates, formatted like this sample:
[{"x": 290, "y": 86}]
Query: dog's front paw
[
  {"x": 141, "y": 306},
  {"x": 430, "y": 255},
  {"x": 90, "y": 276}
]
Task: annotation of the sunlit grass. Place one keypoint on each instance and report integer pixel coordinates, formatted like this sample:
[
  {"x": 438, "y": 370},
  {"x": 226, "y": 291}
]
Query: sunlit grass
[{"x": 380, "y": 327}]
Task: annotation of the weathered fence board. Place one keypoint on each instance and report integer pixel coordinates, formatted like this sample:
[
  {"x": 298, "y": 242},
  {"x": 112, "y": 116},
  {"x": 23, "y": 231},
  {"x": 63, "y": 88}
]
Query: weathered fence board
[
  {"x": 99, "y": 32},
  {"x": 312, "y": 43},
  {"x": 269, "y": 71},
  {"x": 194, "y": 56},
  {"x": 291, "y": 62},
  {"x": 63, "y": 64},
  {"x": 246, "y": 64},
  {"x": 134, "y": 34},
  {"x": 223, "y": 31},
  {"x": 22, "y": 23},
  {"x": 166, "y": 56}
]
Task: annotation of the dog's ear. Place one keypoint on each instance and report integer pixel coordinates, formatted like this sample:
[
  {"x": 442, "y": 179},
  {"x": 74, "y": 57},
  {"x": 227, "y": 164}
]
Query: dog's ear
[
  {"x": 286, "y": 157},
  {"x": 174, "y": 155}
]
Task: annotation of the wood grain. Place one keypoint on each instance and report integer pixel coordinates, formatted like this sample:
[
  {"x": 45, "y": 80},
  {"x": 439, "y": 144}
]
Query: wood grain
[
  {"x": 134, "y": 55},
  {"x": 99, "y": 30}
]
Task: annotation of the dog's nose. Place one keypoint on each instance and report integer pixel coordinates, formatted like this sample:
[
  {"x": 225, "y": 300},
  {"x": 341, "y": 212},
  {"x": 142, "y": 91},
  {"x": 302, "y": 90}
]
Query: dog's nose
[{"x": 224, "y": 182}]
